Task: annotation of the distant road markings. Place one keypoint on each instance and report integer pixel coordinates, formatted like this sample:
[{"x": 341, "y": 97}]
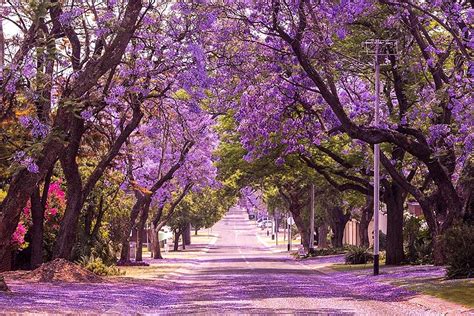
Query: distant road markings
[{"x": 190, "y": 266}]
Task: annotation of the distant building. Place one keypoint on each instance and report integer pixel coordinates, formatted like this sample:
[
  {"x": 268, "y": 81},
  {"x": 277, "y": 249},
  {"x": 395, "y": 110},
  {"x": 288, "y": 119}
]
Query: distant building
[
  {"x": 352, "y": 229},
  {"x": 414, "y": 208}
]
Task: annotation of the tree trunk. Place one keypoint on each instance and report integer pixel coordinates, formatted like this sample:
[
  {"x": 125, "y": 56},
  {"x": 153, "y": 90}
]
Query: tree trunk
[
  {"x": 155, "y": 245},
  {"x": 338, "y": 235},
  {"x": 439, "y": 255},
  {"x": 74, "y": 194},
  {"x": 139, "y": 203},
  {"x": 68, "y": 228},
  {"x": 98, "y": 222},
  {"x": 141, "y": 229},
  {"x": 365, "y": 218},
  {"x": 394, "y": 198},
  {"x": 183, "y": 237},
  {"x": 338, "y": 221},
  {"x": 323, "y": 236},
  {"x": 139, "y": 252},
  {"x": 176, "y": 240},
  {"x": 125, "y": 252},
  {"x": 37, "y": 216},
  {"x": 303, "y": 229},
  {"x": 187, "y": 234}
]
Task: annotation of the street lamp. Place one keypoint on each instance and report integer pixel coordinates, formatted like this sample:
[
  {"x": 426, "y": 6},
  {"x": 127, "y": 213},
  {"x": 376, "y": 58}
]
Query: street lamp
[
  {"x": 311, "y": 221},
  {"x": 378, "y": 48}
]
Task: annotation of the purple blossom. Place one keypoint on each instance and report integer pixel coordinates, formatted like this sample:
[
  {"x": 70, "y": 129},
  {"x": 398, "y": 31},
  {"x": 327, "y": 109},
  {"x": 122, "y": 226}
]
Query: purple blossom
[
  {"x": 38, "y": 129},
  {"x": 86, "y": 115},
  {"x": 280, "y": 161},
  {"x": 32, "y": 167},
  {"x": 68, "y": 16},
  {"x": 341, "y": 33}
]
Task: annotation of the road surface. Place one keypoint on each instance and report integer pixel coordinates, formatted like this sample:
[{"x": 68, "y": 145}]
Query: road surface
[{"x": 239, "y": 274}]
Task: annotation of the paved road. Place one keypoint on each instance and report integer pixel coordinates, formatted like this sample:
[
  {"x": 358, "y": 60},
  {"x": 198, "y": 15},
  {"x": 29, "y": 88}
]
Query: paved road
[
  {"x": 235, "y": 274},
  {"x": 239, "y": 274}
]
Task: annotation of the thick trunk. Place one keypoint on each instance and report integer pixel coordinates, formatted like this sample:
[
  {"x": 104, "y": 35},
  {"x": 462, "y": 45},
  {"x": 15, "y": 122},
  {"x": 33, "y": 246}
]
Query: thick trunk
[
  {"x": 338, "y": 235},
  {"x": 439, "y": 255},
  {"x": 176, "y": 240},
  {"x": 141, "y": 229},
  {"x": 338, "y": 221},
  {"x": 139, "y": 252},
  {"x": 155, "y": 245},
  {"x": 365, "y": 218},
  {"x": 74, "y": 194},
  {"x": 323, "y": 236},
  {"x": 68, "y": 228},
  {"x": 436, "y": 230},
  {"x": 303, "y": 229},
  {"x": 125, "y": 252},
  {"x": 187, "y": 234},
  {"x": 394, "y": 198},
  {"x": 140, "y": 202},
  {"x": 37, "y": 216}
]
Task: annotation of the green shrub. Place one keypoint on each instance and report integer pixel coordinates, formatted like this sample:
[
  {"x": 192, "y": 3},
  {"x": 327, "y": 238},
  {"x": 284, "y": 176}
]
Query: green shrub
[
  {"x": 382, "y": 241},
  {"x": 417, "y": 241},
  {"x": 329, "y": 251},
  {"x": 358, "y": 255},
  {"x": 458, "y": 243},
  {"x": 318, "y": 252},
  {"x": 97, "y": 266}
]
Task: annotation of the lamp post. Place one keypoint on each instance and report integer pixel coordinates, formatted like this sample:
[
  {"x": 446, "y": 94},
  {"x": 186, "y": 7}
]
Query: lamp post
[
  {"x": 378, "y": 48},
  {"x": 311, "y": 222}
]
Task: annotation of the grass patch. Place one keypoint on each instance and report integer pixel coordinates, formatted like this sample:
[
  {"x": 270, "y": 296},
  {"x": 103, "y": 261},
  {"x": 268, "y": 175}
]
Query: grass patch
[
  {"x": 460, "y": 291},
  {"x": 351, "y": 267},
  {"x": 456, "y": 291}
]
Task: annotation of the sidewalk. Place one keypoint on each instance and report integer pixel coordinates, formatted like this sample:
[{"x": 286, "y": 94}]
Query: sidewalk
[
  {"x": 416, "y": 279},
  {"x": 173, "y": 262},
  {"x": 271, "y": 244}
]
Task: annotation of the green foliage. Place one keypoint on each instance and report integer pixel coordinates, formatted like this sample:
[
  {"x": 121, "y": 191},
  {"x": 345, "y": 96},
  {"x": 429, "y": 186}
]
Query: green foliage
[
  {"x": 417, "y": 241},
  {"x": 100, "y": 249},
  {"x": 319, "y": 252},
  {"x": 458, "y": 243},
  {"x": 382, "y": 241},
  {"x": 330, "y": 251},
  {"x": 202, "y": 209},
  {"x": 358, "y": 255},
  {"x": 97, "y": 266}
]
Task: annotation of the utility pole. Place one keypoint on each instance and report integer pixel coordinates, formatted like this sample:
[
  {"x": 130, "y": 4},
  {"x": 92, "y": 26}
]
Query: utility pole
[
  {"x": 311, "y": 222},
  {"x": 277, "y": 224},
  {"x": 273, "y": 226},
  {"x": 289, "y": 237},
  {"x": 289, "y": 221},
  {"x": 378, "y": 48}
]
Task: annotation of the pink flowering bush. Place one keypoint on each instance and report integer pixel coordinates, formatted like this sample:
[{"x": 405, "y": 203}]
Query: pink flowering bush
[{"x": 55, "y": 205}]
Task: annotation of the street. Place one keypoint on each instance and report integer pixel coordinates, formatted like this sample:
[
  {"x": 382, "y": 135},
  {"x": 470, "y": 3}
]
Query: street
[
  {"x": 234, "y": 273},
  {"x": 239, "y": 274}
]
